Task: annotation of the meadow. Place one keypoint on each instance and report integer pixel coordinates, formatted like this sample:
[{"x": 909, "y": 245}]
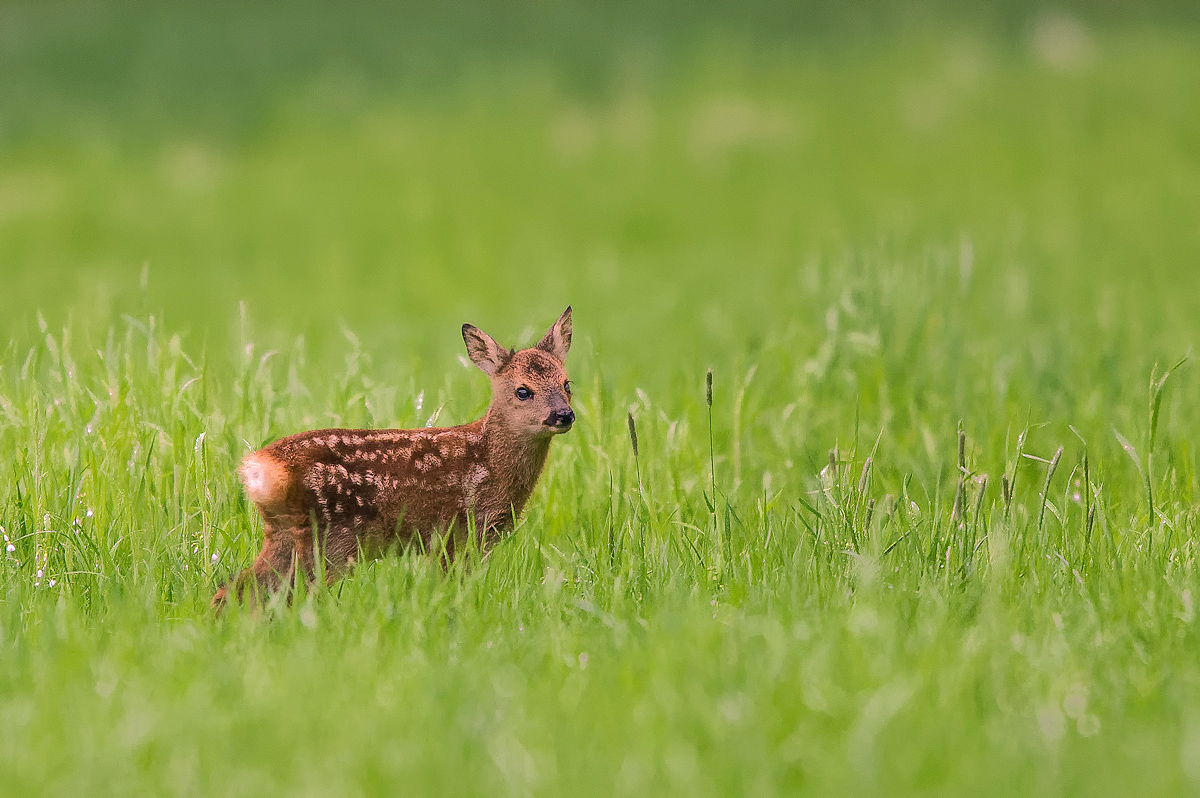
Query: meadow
[{"x": 935, "y": 534}]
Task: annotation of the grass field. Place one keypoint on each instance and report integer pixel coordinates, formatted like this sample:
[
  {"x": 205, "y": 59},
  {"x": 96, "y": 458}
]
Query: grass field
[{"x": 878, "y": 227}]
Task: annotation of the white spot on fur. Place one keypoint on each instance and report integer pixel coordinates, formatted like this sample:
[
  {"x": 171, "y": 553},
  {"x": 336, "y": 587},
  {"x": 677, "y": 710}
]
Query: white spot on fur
[{"x": 475, "y": 477}]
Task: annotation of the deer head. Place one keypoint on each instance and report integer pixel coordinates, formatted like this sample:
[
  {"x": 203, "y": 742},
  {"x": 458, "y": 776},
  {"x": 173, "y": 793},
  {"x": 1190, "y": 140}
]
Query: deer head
[{"x": 530, "y": 389}]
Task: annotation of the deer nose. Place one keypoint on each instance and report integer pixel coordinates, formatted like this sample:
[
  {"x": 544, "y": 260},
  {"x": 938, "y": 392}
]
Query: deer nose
[{"x": 561, "y": 418}]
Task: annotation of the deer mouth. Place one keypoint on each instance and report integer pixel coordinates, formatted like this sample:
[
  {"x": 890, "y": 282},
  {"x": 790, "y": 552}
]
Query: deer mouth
[{"x": 560, "y": 421}]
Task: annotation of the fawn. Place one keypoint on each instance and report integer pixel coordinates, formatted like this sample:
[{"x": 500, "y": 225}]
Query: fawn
[{"x": 366, "y": 490}]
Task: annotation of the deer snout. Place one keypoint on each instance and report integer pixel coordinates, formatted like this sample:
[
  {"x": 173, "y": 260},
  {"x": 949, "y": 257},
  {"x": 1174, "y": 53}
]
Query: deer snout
[{"x": 561, "y": 419}]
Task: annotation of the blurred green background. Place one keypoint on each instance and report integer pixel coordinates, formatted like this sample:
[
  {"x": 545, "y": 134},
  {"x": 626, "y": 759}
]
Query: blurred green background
[{"x": 677, "y": 171}]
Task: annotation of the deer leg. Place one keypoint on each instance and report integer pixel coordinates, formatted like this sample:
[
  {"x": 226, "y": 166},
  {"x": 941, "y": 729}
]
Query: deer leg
[
  {"x": 272, "y": 569},
  {"x": 338, "y": 550},
  {"x": 283, "y": 551},
  {"x": 341, "y": 552},
  {"x": 275, "y": 565}
]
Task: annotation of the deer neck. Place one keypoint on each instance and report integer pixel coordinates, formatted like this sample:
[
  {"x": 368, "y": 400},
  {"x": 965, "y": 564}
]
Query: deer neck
[{"x": 514, "y": 459}]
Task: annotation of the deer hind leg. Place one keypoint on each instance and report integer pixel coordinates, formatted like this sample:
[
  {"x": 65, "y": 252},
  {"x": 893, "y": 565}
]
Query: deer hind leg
[
  {"x": 272, "y": 569},
  {"x": 286, "y": 549},
  {"x": 341, "y": 552}
]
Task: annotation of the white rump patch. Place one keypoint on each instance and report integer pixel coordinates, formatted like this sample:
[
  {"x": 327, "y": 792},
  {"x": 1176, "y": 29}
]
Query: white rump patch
[{"x": 264, "y": 477}]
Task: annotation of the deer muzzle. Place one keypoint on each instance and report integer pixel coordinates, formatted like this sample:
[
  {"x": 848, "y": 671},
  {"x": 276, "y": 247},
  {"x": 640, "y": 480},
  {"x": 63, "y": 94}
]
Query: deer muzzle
[{"x": 560, "y": 420}]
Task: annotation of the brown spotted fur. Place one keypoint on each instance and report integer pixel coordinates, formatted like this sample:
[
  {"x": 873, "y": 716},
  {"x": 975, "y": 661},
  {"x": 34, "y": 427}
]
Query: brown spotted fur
[{"x": 366, "y": 490}]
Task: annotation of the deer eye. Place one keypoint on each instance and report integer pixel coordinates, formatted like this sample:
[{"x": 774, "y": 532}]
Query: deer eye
[
  {"x": 524, "y": 393},
  {"x": 567, "y": 387}
]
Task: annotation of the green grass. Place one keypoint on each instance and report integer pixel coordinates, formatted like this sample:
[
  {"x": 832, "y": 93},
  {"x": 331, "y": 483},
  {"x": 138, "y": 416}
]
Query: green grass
[{"x": 222, "y": 225}]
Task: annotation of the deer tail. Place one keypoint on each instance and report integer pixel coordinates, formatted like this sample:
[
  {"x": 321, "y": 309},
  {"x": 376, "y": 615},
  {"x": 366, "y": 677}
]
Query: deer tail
[{"x": 265, "y": 478}]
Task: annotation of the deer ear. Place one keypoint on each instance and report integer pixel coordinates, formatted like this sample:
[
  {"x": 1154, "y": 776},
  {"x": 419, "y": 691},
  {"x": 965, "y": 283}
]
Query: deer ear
[
  {"x": 557, "y": 340},
  {"x": 484, "y": 351}
]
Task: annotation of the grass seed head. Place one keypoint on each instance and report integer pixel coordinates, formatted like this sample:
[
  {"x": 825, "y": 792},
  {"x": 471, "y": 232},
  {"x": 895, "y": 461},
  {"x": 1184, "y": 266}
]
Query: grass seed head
[
  {"x": 633, "y": 433},
  {"x": 983, "y": 486},
  {"x": 708, "y": 387}
]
